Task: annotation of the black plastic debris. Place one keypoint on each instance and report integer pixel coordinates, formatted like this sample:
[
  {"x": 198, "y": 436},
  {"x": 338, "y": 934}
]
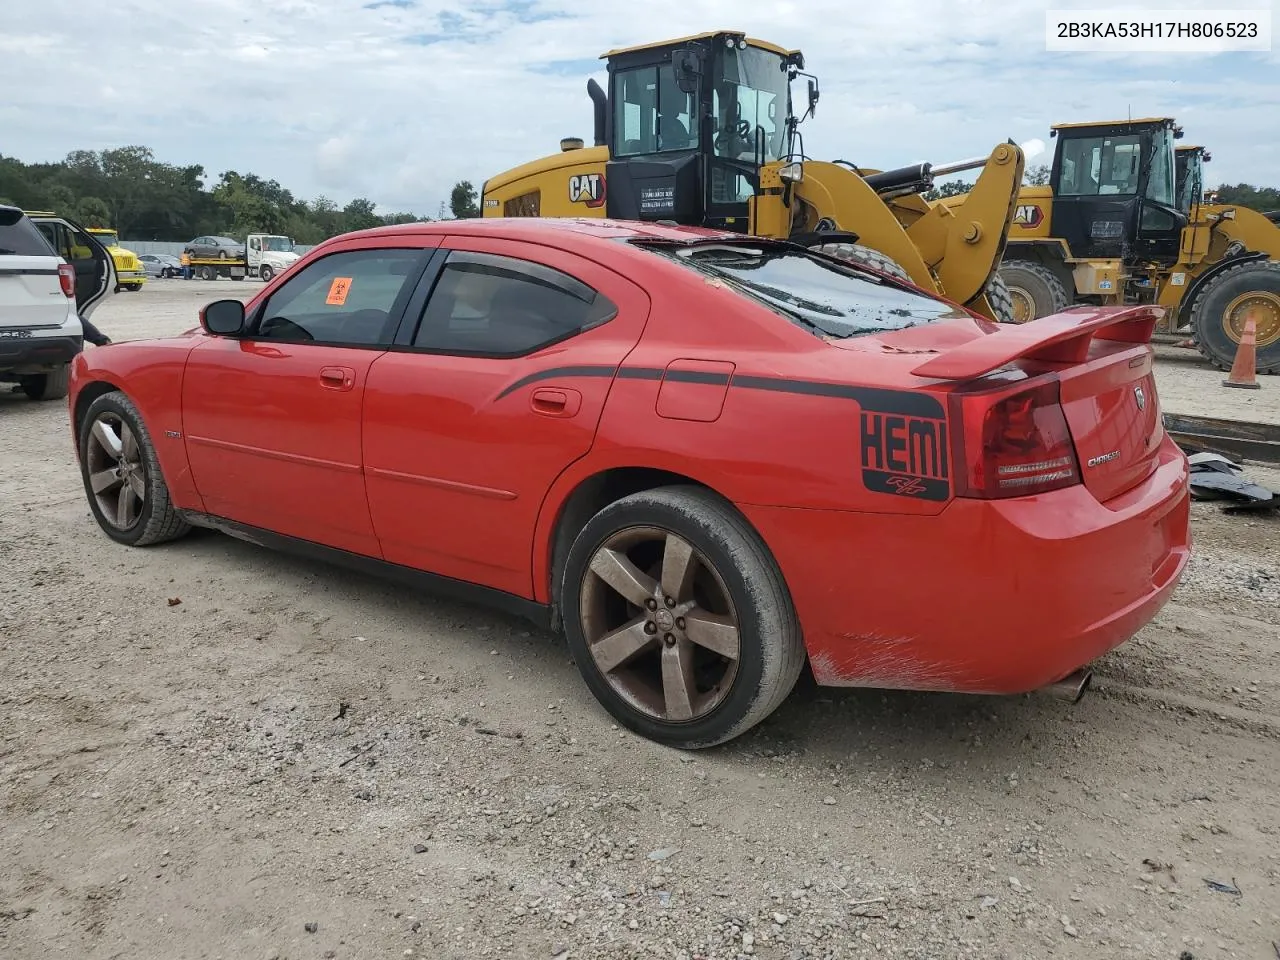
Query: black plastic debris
[
  {"x": 1215, "y": 477},
  {"x": 1219, "y": 887}
]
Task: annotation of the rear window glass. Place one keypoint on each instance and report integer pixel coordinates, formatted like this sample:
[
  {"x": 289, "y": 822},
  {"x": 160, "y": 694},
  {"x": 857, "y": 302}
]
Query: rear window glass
[
  {"x": 19, "y": 236},
  {"x": 828, "y": 298}
]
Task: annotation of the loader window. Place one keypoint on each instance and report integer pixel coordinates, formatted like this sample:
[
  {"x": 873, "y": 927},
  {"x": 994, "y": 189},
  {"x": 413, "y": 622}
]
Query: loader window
[
  {"x": 750, "y": 100},
  {"x": 652, "y": 114},
  {"x": 1160, "y": 185},
  {"x": 1100, "y": 166}
]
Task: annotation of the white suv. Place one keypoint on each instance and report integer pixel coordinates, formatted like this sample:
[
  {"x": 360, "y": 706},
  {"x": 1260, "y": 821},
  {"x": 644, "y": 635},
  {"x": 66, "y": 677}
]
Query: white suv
[{"x": 43, "y": 294}]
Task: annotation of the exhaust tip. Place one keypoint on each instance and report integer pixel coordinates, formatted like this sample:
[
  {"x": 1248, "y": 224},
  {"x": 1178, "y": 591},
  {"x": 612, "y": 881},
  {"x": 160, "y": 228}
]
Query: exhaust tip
[{"x": 1071, "y": 687}]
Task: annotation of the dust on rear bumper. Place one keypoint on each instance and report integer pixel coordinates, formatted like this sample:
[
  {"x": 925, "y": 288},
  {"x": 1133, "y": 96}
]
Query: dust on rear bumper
[{"x": 987, "y": 596}]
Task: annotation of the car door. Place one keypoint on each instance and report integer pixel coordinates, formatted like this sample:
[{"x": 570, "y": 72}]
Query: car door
[
  {"x": 272, "y": 417},
  {"x": 95, "y": 268},
  {"x": 486, "y": 399}
]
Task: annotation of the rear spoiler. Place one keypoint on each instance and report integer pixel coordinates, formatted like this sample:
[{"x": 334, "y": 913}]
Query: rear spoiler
[{"x": 1059, "y": 338}]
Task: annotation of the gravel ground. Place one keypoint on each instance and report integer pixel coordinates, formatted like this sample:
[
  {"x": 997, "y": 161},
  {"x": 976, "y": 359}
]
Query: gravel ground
[{"x": 210, "y": 750}]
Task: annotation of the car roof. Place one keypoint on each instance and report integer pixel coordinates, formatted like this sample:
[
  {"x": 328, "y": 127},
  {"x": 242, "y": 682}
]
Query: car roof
[{"x": 544, "y": 228}]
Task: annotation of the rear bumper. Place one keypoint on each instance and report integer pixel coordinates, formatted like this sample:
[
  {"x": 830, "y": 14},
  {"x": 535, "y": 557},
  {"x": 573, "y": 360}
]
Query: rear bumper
[
  {"x": 986, "y": 597},
  {"x": 16, "y": 356}
]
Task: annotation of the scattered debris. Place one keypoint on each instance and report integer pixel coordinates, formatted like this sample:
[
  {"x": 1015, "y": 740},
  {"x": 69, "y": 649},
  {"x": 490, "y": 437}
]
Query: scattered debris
[
  {"x": 343, "y": 707},
  {"x": 1215, "y": 477},
  {"x": 20, "y": 913},
  {"x": 359, "y": 753},
  {"x": 419, "y": 848},
  {"x": 664, "y": 854},
  {"x": 1220, "y": 887},
  {"x": 311, "y": 926},
  {"x": 174, "y": 601}
]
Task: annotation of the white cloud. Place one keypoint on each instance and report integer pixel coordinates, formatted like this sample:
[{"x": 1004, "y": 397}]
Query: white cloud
[{"x": 329, "y": 97}]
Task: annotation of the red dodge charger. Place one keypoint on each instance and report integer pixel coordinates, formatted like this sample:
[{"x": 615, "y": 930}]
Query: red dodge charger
[{"x": 706, "y": 457}]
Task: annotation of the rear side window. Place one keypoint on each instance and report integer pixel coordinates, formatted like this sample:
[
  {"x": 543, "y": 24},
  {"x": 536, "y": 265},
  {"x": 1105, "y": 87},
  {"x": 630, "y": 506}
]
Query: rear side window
[
  {"x": 19, "y": 236},
  {"x": 495, "y": 306},
  {"x": 829, "y": 298}
]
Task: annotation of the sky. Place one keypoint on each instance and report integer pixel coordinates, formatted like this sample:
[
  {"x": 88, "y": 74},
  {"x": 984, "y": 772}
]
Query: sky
[{"x": 396, "y": 100}]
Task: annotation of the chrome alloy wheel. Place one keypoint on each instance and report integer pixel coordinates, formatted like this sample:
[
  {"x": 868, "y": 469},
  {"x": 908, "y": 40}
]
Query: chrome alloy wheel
[{"x": 117, "y": 474}]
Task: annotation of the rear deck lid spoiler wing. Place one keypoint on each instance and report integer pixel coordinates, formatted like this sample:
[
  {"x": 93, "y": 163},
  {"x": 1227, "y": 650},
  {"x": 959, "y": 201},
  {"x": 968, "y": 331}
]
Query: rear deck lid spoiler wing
[{"x": 1059, "y": 338}]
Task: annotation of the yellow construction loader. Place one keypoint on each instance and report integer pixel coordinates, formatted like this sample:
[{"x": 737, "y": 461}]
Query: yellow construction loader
[
  {"x": 700, "y": 130},
  {"x": 1124, "y": 220}
]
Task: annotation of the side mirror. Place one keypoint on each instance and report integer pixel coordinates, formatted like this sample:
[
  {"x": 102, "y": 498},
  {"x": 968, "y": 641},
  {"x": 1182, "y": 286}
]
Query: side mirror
[
  {"x": 223, "y": 318},
  {"x": 687, "y": 69},
  {"x": 813, "y": 98}
]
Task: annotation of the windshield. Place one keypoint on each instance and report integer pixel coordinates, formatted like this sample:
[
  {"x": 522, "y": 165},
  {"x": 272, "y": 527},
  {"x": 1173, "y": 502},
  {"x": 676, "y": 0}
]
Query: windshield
[
  {"x": 107, "y": 238},
  {"x": 749, "y": 100},
  {"x": 279, "y": 244},
  {"x": 1160, "y": 177},
  {"x": 831, "y": 299},
  {"x": 1100, "y": 166}
]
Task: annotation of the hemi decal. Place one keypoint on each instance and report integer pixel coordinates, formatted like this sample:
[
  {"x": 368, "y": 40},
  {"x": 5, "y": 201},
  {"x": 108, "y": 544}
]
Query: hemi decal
[{"x": 905, "y": 455}]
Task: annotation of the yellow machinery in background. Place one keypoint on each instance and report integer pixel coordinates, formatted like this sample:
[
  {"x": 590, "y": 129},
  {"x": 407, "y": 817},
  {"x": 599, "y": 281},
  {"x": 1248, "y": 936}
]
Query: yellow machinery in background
[
  {"x": 700, "y": 131},
  {"x": 1124, "y": 220}
]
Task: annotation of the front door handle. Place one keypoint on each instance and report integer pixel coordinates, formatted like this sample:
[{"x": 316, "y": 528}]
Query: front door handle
[
  {"x": 556, "y": 401},
  {"x": 337, "y": 378}
]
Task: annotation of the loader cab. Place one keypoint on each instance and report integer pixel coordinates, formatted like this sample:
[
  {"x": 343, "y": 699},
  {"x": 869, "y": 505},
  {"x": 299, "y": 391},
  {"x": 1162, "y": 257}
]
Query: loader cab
[
  {"x": 690, "y": 122},
  {"x": 1114, "y": 190},
  {"x": 1189, "y": 168}
]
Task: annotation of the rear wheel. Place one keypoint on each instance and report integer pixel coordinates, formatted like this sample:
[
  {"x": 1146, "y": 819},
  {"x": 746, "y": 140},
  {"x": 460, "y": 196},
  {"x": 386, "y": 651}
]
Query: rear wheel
[
  {"x": 1000, "y": 299},
  {"x": 208, "y": 273},
  {"x": 122, "y": 476},
  {"x": 1033, "y": 291},
  {"x": 1224, "y": 305},
  {"x": 679, "y": 618},
  {"x": 47, "y": 386}
]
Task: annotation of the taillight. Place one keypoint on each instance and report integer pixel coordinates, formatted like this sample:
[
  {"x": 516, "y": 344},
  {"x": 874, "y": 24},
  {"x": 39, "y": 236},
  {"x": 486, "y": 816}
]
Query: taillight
[
  {"x": 1013, "y": 443},
  {"x": 67, "y": 277}
]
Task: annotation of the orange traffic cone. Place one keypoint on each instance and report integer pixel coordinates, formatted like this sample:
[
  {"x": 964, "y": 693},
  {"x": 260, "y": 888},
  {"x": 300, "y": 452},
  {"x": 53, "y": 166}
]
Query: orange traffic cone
[{"x": 1244, "y": 368}]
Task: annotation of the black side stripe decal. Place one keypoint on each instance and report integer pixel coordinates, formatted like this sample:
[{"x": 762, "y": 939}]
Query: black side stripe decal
[{"x": 873, "y": 399}]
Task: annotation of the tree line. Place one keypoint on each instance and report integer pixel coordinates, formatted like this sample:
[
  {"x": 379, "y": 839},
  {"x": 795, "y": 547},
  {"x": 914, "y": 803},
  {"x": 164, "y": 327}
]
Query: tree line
[{"x": 142, "y": 198}]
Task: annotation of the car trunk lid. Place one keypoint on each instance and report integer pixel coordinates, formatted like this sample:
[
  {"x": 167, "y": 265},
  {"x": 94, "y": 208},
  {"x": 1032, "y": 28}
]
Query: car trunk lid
[{"x": 1102, "y": 360}]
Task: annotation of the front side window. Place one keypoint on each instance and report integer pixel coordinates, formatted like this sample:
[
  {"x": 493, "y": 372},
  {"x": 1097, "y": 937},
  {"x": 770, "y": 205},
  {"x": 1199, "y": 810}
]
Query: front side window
[
  {"x": 1100, "y": 166},
  {"x": 652, "y": 114},
  {"x": 350, "y": 298},
  {"x": 1160, "y": 186},
  {"x": 495, "y": 306},
  {"x": 829, "y": 298}
]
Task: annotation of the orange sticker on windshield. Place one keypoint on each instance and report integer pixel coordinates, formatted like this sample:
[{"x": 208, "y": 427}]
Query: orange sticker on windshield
[{"x": 338, "y": 291}]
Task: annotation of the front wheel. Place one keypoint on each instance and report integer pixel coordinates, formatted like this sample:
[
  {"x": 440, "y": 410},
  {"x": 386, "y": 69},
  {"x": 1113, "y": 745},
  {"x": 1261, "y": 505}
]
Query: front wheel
[
  {"x": 122, "y": 478},
  {"x": 678, "y": 617},
  {"x": 1225, "y": 304},
  {"x": 266, "y": 273}
]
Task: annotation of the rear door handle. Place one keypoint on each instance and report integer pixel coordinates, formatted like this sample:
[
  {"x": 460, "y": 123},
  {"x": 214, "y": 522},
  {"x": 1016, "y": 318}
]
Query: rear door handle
[
  {"x": 556, "y": 401},
  {"x": 337, "y": 378}
]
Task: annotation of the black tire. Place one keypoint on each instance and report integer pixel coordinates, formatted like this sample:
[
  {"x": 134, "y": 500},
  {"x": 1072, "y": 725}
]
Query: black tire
[
  {"x": 1000, "y": 299},
  {"x": 1209, "y": 321},
  {"x": 47, "y": 386},
  {"x": 222, "y": 255},
  {"x": 208, "y": 273},
  {"x": 133, "y": 287},
  {"x": 771, "y": 652},
  {"x": 1032, "y": 287},
  {"x": 157, "y": 521},
  {"x": 266, "y": 273},
  {"x": 866, "y": 256}
]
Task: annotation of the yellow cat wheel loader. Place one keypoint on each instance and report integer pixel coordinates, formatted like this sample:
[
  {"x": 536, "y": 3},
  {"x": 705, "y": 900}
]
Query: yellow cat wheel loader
[
  {"x": 1123, "y": 220},
  {"x": 700, "y": 130}
]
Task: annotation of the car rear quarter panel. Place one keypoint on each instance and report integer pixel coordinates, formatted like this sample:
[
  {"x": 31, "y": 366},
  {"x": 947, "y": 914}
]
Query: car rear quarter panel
[{"x": 150, "y": 374}]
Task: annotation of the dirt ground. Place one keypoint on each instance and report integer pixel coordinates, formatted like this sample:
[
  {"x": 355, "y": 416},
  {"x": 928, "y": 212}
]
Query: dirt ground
[{"x": 210, "y": 750}]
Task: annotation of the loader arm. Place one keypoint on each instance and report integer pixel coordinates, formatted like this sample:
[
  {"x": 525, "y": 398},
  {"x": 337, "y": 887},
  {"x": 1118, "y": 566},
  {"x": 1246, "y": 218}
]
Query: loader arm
[
  {"x": 1255, "y": 230},
  {"x": 964, "y": 243},
  {"x": 836, "y": 193}
]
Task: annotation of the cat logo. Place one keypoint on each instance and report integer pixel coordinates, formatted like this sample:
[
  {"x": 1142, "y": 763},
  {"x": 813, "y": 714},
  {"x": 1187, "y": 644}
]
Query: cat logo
[
  {"x": 1028, "y": 215},
  {"x": 587, "y": 188}
]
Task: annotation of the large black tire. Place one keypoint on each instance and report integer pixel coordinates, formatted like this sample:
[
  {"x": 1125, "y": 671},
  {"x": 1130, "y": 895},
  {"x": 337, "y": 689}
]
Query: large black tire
[
  {"x": 771, "y": 652},
  {"x": 1217, "y": 336},
  {"x": 266, "y": 272},
  {"x": 47, "y": 386},
  {"x": 157, "y": 519},
  {"x": 1033, "y": 290},
  {"x": 1000, "y": 299},
  {"x": 866, "y": 256}
]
